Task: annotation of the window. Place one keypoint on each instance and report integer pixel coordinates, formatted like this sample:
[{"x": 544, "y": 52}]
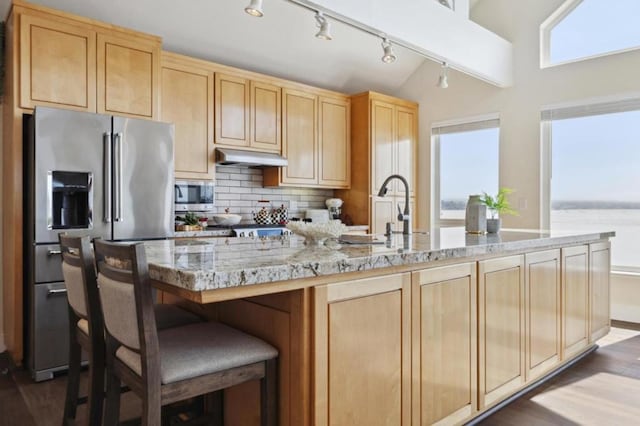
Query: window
[
  {"x": 465, "y": 162},
  {"x": 582, "y": 29},
  {"x": 595, "y": 174}
]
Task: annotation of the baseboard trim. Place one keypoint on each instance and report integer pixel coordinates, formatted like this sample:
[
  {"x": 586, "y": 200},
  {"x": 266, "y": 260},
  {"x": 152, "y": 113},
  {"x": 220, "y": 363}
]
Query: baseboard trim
[
  {"x": 529, "y": 388},
  {"x": 625, "y": 324}
]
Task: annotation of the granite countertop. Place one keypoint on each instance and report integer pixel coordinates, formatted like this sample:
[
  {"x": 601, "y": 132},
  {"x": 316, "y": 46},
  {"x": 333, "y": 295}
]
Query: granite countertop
[{"x": 216, "y": 263}]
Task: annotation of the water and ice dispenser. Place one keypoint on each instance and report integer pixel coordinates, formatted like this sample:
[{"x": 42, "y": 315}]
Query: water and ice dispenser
[{"x": 70, "y": 200}]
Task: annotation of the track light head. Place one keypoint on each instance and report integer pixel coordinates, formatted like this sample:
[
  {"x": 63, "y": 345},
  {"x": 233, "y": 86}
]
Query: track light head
[
  {"x": 388, "y": 56},
  {"x": 446, "y": 3},
  {"x": 324, "y": 25},
  {"x": 443, "y": 80},
  {"x": 255, "y": 8}
]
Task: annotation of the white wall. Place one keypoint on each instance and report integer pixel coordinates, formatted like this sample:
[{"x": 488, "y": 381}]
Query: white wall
[{"x": 519, "y": 108}]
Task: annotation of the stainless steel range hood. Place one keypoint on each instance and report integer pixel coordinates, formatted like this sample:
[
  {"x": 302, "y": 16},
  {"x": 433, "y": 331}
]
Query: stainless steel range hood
[{"x": 238, "y": 157}]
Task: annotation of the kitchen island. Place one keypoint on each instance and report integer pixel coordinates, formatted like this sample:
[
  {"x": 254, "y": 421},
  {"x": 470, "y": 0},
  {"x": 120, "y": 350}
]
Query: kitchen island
[{"x": 436, "y": 327}]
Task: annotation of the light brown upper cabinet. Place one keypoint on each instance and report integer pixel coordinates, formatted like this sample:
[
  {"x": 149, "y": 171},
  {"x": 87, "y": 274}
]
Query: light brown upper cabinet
[
  {"x": 57, "y": 64},
  {"x": 68, "y": 62},
  {"x": 232, "y": 95},
  {"x": 384, "y": 142},
  {"x": 300, "y": 134},
  {"x": 315, "y": 141},
  {"x": 187, "y": 101},
  {"x": 128, "y": 69},
  {"x": 266, "y": 117}
]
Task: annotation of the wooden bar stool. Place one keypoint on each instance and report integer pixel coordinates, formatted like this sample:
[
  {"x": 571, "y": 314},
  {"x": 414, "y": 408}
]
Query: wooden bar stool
[
  {"x": 170, "y": 365},
  {"x": 86, "y": 326}
]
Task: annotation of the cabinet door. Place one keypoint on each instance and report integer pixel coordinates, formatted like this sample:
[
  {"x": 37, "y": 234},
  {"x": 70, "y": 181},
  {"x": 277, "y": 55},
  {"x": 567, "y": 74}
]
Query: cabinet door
[
  {"x": 406, "y": 148},
  {"x": 382, "y": 211},
  {"x": 335, "y": 142},
  {"x": 363, "y": 352},
  {"x": 599, "y": 279},
  {"x": 444, "y": 327},
  {"x": 57, "y": 64},
  {"x": 187, "y": 101},
  {"x": 266, "y": 119},
  {"x": 501, "y": 328},
  {"x": 232, "y": 106},
  {"x": 128, "y": 71},
  {"x": 543, "y": 295},
  {"x": 575, "y": 300},
  {"x": 300, "y": 137},
  {"x": 382, "y": 144}
]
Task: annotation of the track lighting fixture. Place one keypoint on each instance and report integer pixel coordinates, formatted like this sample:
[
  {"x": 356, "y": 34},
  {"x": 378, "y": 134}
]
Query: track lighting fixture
[
  {"x": 387, "y": 48},
  {"x": 254, "y": 8},
  {"x": 324, "y": 25},
  {"x": 447, "y": 3},
  {"x": 443, "y": 81}
]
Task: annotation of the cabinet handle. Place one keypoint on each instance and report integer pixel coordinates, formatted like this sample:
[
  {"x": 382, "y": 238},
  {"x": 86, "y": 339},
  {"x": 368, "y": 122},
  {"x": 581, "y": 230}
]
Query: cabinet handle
[
  {"x": 56, "y": 292},
  {"x": 53, "y": 252}
]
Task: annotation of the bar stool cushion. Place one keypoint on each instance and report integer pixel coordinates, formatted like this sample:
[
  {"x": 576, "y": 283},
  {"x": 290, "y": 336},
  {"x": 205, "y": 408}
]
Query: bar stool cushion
[
  {"x": 199, "y": 349},
  {"x": 75, "y": 288}
]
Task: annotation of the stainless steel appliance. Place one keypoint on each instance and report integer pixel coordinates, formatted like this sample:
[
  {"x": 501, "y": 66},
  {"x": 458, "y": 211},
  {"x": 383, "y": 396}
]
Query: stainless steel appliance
[
  {"x": 194, "y": 195},
  {"x": 86, "y": 174}
]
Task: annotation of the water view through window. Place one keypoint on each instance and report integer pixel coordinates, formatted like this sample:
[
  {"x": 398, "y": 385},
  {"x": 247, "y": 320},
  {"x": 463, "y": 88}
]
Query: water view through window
[{"x": 595, "y": 181}]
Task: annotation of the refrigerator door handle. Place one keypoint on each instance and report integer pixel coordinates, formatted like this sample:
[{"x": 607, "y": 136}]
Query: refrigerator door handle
[
  {"x": 108, "y": 176},
  {"x": 119, "y": 138}
]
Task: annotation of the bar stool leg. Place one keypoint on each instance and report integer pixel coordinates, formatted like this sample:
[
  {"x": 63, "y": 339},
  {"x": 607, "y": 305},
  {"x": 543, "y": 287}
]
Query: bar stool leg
[
  {"x": 269, "y": 394},
  {"x": 96, "y": 384},
  {"x": 73, "y": 377}
]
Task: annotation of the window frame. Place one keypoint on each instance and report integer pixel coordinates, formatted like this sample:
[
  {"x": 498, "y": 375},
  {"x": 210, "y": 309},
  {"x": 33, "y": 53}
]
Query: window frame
[
  {"x": 570, "y": 110},
  {"x": 545, "y": 37},
  {"x": 472, "y": 123}
]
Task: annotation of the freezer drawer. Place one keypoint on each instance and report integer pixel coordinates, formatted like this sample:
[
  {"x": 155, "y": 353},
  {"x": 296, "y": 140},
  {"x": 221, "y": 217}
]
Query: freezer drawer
[
  {"x": 50, "y": 330},
  {"x": 48, "y": 263}
]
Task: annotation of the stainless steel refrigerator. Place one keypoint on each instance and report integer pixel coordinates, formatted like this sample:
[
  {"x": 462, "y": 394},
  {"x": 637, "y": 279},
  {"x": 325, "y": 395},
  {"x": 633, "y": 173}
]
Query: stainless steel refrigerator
[{"x": 86, "y": 174}]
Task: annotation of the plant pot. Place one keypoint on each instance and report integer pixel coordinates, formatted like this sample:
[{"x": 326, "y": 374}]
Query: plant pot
[{"x": 493, "y": 225}]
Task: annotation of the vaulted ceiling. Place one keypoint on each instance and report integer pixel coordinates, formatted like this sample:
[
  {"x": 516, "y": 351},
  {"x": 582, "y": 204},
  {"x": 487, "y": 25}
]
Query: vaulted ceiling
[{"x": 281, "y": 43}]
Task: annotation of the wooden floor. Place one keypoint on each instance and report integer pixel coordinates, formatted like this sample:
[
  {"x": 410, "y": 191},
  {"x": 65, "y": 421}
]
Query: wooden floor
[{"x": 602, "y": 389}]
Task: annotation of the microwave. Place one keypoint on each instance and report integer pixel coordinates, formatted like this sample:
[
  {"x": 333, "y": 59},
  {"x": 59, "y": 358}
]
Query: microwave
[{"x": 192, "y": 195}]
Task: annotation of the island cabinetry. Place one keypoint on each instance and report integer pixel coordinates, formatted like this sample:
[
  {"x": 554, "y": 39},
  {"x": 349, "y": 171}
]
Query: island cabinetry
[
  {"x": 543, "y": 307},
  {"x": 384, "y": 142},
  {"x": 248, "y": 113},
  {"x": 444, "y": 328},
  {"x": 315, "y": 140},
  {"x": 362, "y": 350},
  {"x": 599, "y": 282},
  {"x": 279, "y": 320},
  {"x": 501, "y": 328},
  {"x": 575, "y": 300},
  {"x": 187, "y": 101}
]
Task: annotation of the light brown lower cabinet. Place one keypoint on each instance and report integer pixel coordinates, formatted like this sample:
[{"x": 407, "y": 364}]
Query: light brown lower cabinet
[
  {"x": 444, "y": 328},
  {"x": 501, "y": 329},
  {"x": 542, "y": 307},
  {"x": 362, "y": 350},
  {"x": 575, "y": 300},
  {"x": 599, "y": 281}
]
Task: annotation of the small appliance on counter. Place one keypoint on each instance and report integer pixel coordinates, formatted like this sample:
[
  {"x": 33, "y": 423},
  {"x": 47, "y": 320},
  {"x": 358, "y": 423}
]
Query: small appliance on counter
[
  {"x": 194, "y": 195},
  {"x": 317, "y": 215},
  {"x": 335, "y": 207}
]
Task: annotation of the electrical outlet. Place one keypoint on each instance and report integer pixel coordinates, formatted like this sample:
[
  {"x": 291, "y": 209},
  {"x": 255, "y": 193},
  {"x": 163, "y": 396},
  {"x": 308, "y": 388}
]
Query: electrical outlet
[{"x": 522, "y": 203}]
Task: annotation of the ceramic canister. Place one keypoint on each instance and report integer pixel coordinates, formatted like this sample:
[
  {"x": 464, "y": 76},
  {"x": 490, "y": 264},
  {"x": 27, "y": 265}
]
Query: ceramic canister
[{"x": 475, "y": 217}]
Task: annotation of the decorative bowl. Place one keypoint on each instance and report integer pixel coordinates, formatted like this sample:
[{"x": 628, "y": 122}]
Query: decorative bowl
[
  {"x": 317, "y": 233},
  {"x": 226, "y": 219}
]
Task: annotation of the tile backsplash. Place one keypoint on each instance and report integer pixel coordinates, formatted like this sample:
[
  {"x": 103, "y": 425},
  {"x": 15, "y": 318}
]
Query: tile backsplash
[{"x": 239, "y": 188}]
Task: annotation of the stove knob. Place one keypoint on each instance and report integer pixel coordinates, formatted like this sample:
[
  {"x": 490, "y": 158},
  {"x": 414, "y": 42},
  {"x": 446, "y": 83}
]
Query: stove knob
[
  {"x": 241, "y": 234},
  {"x": 252, "y": 233}
]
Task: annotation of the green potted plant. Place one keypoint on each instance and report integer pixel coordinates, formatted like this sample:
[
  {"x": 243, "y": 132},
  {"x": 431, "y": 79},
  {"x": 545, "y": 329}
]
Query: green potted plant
[{"x": 497, "y": 205}]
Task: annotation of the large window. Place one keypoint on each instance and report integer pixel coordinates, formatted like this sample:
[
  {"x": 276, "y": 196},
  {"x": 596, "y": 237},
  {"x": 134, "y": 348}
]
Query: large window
[
  {"x": 582, "y": 29},
  {"x": 465, "y": 162},
  {"x": 595, "y": 174}
]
